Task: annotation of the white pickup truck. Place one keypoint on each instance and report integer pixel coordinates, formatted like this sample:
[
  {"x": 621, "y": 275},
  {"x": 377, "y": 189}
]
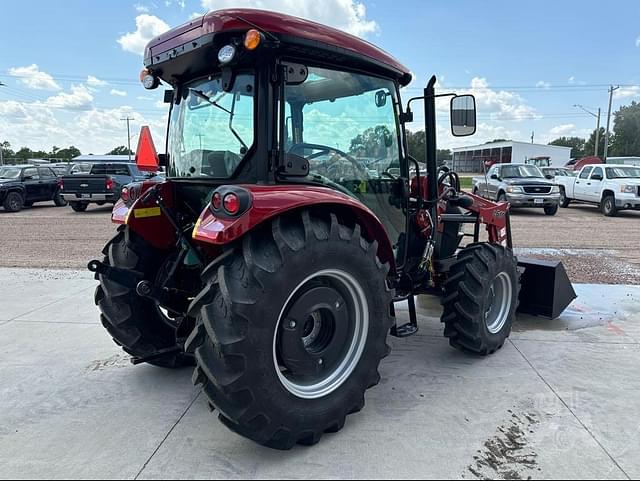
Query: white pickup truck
[{"x": 612, "y": 187}]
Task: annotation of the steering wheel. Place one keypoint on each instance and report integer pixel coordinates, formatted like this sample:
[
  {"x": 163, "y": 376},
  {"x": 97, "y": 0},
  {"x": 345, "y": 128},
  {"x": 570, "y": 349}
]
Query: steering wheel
[{"x": 324, "y": 150}]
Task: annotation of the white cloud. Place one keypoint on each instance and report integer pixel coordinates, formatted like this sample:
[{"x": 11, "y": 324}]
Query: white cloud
[
  {"x": 544, "y": 85},
  {"x": 347, "y": 15},
  {"x": 95, "y": 82},
  {"x": 34, "y": 78},
  {"x": 118, "y": 93},
  {"x": 147, "y": 27},
  {"x": 571, "y": 80},
  {"x": 638, "y": 42},
  {"x": 563, "y": 130},
  {"x": 626, "y": 92},
  {"x": 141, "y": 8},
  {"x": 499, "y": 104},
  {"x": 80, "y": 98}
]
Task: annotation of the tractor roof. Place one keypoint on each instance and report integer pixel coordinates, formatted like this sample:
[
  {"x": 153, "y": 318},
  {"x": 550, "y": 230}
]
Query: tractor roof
[{"x": 309, "y": 38}]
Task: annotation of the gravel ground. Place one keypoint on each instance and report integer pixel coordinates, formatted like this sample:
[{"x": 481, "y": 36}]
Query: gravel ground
[{"x": 595, "y": 249}]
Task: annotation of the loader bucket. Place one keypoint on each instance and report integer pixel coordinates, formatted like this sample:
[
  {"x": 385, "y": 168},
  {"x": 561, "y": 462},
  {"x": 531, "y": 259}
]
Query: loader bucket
[{"x": 546, "y": 289}]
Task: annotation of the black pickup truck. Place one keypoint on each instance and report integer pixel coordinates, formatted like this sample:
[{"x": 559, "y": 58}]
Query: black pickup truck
[
  {"x": 102, "y": 185},
  {"x": 23, "y": 185}
]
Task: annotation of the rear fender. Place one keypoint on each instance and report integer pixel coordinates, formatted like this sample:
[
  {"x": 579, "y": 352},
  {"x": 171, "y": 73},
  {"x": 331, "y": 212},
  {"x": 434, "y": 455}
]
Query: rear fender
[
  {"x": 145, "y": 218},
  {"x": 269, "y": 202}
]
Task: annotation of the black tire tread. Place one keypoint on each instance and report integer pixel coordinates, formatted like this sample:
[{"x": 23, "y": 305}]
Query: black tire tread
[{"x": 220, "y": 340}]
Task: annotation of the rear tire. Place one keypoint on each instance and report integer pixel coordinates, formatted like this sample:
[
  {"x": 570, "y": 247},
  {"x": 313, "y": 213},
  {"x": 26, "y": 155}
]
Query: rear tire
[
  {"x": 608, "y": 206},
  {"x": 135, "y": 323},
  {"x": 481, "y": 298},
  {"x": 551, "y": 210},
  {"x": 79, "y": 206},
  {"x": 13, "y": 202},
  {"x": 252, "y": 314},
  {"x": 59, "y": 201}
]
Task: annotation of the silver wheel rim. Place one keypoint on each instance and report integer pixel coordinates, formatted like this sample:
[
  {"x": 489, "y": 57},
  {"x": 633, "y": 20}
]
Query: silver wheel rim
[
  {"x": 360, "y": 318},
  {"x": 500, "y": 298}
]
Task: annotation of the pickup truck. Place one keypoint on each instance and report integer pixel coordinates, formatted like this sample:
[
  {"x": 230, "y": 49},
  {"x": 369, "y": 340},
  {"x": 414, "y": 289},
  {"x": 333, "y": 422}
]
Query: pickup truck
[
  {"x": 519, "y": 184},
  {"x": 23, "y": 185},
  {"x": 103, "y": 184},
  {"x": 612, "y": 187}
]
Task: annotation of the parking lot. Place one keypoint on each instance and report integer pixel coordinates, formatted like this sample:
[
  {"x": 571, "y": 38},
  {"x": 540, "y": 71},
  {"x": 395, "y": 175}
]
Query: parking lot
[
  {"x": 594, "y": 248},
  {"x": 559, "y": 401}
]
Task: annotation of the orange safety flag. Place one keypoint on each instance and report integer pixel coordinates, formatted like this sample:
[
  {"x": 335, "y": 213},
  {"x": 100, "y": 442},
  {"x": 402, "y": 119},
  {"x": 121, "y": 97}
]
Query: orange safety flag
[{"x": 146, "y": 155}]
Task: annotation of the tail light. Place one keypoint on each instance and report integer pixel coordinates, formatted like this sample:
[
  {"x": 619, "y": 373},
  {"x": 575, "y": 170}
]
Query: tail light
[
  {"x": 109, "y": 184},
  {"x": 231, "y": 204},
  {"x": 61, "y": 183},
  {"x": 124, "y": 195}
]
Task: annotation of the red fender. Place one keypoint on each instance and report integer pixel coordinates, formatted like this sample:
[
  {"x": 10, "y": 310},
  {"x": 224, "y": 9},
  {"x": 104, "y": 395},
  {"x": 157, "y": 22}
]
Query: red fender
[{"x": 268, "y": 202}]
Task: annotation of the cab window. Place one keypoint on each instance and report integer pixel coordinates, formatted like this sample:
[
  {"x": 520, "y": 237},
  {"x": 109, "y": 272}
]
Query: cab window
[
  {"x": 597, "y": 171},
  {"x": 585, "y": 173},
  {"x": 30, "y": 174}
]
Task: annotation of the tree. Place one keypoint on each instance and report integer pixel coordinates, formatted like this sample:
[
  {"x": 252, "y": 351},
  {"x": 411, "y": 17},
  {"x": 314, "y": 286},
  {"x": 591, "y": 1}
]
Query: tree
[
  {"x": 66, "y": 154},
  {"x": 626, "y": 125},
  {"x": 121, "y": 150},
  {"x": 590, "y": 145},
  {"x": 577, "y": 145},
  {"x": 416, "y": 142},
  {"x": 372, "y": 142},
  {"x": 7, "y": 153}
]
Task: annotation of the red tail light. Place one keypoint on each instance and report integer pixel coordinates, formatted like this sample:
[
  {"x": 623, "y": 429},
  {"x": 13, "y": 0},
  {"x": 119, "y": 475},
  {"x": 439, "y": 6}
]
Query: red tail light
[
  {"x": 109, "y": 184},
  {"x": 124, "y": 195},
  {"x": 231, "y": 204},
  {"x": 217, "y": 201},
  {"x": 61, "y": 184}
]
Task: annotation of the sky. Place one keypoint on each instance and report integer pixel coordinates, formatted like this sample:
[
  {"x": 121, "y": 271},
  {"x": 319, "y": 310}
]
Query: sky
[{"x": 71, "y": 68}]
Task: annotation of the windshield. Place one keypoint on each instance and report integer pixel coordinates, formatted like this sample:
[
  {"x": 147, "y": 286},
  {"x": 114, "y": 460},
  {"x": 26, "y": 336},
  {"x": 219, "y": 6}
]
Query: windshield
[
  {"x": 10, "y": 172},
  {"x": 623, "y": 172},
  {"x": 211, "y": 130},
  {"x": 519, "y": 171}
]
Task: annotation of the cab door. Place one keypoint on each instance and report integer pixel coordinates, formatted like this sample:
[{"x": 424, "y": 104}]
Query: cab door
[
  {"x": 48, "y": 182},
  {"x": 594, "y": 186},
  {"x": 31, "y": 181},
  {"x": 583, "y": 184}
]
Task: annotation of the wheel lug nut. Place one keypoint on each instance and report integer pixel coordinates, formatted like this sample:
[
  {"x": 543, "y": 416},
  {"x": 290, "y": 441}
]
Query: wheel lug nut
[
  {"x": 292, "y": 324},
  {"x": 320, "y": 362}
]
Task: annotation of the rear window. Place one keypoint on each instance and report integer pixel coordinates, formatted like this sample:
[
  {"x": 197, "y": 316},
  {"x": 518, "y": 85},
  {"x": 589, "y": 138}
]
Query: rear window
[{"x": 110, "y": 169}]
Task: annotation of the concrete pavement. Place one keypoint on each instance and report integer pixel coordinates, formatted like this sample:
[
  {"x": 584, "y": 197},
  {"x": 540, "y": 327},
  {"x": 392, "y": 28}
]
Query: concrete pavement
[{"x": 561, "y": 400}]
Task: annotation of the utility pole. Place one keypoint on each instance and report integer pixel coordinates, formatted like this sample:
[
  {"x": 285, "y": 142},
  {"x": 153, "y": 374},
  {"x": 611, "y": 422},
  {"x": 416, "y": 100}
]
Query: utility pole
[
  {"x": 606, "y": 138},
  {"x": 533, "y": 136},
  {"x": 1, "y": 151},
  {"x": 128, "y": 119},
  {"x": 597, "y": 128}
]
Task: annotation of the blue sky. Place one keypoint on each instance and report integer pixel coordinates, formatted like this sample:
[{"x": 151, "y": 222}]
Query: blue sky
[{"x": 71, "y": 68}]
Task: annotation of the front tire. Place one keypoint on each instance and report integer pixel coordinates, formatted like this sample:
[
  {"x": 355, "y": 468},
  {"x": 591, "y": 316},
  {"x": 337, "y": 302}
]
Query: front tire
[
  {"x": 291, "y": 329},
  {"x": 564, "y": 200},
  {"x": 551, "y": 210},
  {"x": 136, "y": 323},
  {"x": 13, "y": 202},
  {"x": 608, "y": 206},
  {"x": 481, "y": 298}
]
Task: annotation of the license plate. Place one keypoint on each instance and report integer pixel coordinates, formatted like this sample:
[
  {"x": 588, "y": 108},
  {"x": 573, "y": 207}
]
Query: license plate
[
  {"x": 85, "y": 196},
  {"x": 538, "y": 201}
]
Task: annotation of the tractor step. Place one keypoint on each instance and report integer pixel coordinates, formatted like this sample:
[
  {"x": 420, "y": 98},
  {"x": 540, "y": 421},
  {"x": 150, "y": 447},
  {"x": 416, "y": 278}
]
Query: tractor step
[
  {"x": 410, "y": 328},
  {"x": 156, "y": 355}
]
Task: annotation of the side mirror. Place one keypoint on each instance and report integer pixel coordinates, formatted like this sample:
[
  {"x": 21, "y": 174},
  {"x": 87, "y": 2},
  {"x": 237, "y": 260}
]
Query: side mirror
[
  {"x": 463, "y": 115},
  {"x": 549, "y": 177},
  {"x": 381, "y": 98},
  {"x": 27, "y": 177},
  {"x": 494, "y": 177},
  {"x": 597, "y": 177}
]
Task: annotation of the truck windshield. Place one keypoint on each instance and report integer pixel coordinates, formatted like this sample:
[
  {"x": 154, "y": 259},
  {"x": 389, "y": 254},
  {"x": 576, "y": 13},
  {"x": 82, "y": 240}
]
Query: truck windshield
[
  {"x": 9, "y": 173},
  {"x": 519, "y": 171},
  {"x": 623, "y": 172},
  {"x": 210, "y": 130}
]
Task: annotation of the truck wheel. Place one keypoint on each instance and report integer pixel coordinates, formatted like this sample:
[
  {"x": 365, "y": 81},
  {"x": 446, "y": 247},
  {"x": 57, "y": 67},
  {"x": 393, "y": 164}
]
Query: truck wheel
[
  {"x": 135, "y": 323},
  {"x": 13, "y": 202},
  {"x": 291, "y": 329},
  {"x": 502, "y": 197},
  {"x": 59, "y": 201},
  {"x": 79, "y": 206},
  {"x": 564, "y": 200},
  {"x": 608, "y": 206},
  {"x": 551, "y": 209},
  {"x": 481, "y": 298}
]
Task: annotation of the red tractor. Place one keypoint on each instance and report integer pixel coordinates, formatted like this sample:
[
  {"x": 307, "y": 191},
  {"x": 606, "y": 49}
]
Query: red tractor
[{"x": 292, "y": 219}]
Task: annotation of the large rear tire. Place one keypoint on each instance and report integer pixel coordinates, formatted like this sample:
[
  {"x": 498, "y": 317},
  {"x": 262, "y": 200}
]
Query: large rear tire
[
  {"x": 481, "y": 298},
  {"x": 79, "y": 206},
  {"x": 137, "y": 324},
  {"x": 291, "y": 328},
  {"x": 59, "y": 201},
  {"x": 608, "y": 206}
]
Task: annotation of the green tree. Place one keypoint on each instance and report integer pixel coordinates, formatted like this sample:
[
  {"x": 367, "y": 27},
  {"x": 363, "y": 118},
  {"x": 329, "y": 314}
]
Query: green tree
[
  {"x": 590, "y": 145},
  {"x": 416, "y": 143},
  {"x": 577, "y": 145},
  {"x": 7, "y": 153},
  {"x": 67, "y": 154},
  {"x": 121, "y": 150},
  {"x": 626, "y": 125},
  {"x": 372, "y": 142}
]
